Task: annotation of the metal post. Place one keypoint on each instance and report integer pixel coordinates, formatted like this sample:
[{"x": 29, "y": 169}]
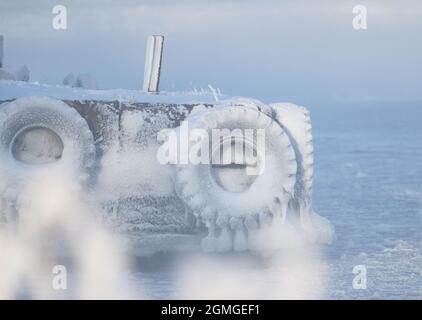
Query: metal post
[{"x": 153, "y": 63}]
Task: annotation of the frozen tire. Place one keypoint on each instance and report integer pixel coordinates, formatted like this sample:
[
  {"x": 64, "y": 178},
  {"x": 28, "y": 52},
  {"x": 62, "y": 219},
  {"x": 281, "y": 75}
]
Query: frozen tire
[
  {"x": 297, "y": 123},
  {"x": 39, "y": 132},
  {"x": 224, "y": 196}
]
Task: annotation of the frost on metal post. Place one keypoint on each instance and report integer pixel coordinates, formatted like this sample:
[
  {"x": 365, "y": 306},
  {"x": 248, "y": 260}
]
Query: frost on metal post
[{"x": 153, "y": 63}]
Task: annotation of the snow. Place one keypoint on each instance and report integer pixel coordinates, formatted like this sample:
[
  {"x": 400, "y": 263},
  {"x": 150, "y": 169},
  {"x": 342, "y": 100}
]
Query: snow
[
  {"x": 367, "y": 182},
  {"x": 16, "y": 89},
  {"x": 129, "y": 170},
  {"x": 129, "y": 167},
  {"x": 134, "y": 172},
  {"x": 37, "y": 146}
]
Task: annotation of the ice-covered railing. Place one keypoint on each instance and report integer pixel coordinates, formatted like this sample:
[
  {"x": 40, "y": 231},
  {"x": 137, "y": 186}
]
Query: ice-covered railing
[
  {"x": 16, "y": 89},
  {"x": 83, "y": 86}
]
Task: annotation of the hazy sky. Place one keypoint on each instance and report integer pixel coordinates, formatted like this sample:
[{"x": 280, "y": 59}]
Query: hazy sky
[{"x": 300, "y": 51}]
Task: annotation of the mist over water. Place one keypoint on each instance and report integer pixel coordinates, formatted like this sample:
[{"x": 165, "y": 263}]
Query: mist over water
[
  {"x": 288, "y": 274},
  {"x": 59, "y": 227}
]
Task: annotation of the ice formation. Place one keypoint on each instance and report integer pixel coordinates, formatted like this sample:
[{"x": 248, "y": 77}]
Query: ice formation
[
  {"x": 28, "y": 119},
  {"x": 10, "y": 90},
  {"x": 115, "y": 147},
  {"x": 23, "y": 74},
  {"x": 275, "y": 211},
  {"x": 83, "y": 81}
]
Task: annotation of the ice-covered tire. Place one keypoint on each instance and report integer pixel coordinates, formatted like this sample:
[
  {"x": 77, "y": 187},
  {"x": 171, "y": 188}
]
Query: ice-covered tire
[
  {"x": 222, "y": 206},
  {"x": 297, "y": 123},
  {"x": 39, "y": 132}
]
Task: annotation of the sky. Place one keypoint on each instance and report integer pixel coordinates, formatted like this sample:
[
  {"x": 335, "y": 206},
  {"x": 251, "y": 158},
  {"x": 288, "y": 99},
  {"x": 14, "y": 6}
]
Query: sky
[{"x": 295, "y": 50}]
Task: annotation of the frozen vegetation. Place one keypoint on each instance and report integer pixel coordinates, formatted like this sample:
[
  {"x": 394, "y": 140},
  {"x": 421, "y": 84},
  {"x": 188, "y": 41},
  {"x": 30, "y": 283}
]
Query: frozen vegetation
[
  {"x": 22, "y": 74},
  {"x": 85, "y": 81}
]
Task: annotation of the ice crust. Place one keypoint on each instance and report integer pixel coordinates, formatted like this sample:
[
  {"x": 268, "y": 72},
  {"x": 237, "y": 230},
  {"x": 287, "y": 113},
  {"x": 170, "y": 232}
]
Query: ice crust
[
  {"x": 140, "y": 195},
  {"x": 16, "y": 89}
]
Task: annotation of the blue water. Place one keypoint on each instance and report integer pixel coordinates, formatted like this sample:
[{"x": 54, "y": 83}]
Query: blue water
[{"x": 368, "y": 182}]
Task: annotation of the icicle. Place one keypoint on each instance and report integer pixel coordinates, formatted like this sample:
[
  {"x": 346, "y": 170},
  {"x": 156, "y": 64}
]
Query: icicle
[
  {"x": 283, "y": 212},
  {"x": 306, "y": 222},
  {"x": 265, "y": 220},
  {"x": 209, "y": 243},
  {"x": 240, "y": 240},
  {"x": 279, "y": 210},
  {"x": 252, "y": 227},
  {"x": 305, "y": 219},
  {"x": 224, "y": 240}
]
